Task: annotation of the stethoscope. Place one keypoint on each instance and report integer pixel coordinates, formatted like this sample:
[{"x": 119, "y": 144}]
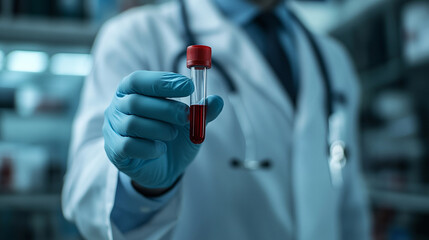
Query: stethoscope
[{"x": 336, "y": 149}]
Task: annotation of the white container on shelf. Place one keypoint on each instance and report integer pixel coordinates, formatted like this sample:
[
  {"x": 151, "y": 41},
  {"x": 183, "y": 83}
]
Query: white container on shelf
[
  {"x": 28, "y": 166},
  {"x": 415, "y": 18}
]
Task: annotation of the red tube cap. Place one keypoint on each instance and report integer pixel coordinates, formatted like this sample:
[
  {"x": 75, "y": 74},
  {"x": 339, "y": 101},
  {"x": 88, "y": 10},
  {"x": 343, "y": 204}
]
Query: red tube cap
[{"x": 199, "y": 55}]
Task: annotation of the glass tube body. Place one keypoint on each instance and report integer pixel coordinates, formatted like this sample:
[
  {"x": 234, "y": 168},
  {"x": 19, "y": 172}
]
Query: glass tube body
[{"x": 198, "y": 104}]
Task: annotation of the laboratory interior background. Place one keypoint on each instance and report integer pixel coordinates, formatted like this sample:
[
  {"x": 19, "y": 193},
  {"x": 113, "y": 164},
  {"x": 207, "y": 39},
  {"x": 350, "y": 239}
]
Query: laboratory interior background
[{"x": 45, "y": 54}]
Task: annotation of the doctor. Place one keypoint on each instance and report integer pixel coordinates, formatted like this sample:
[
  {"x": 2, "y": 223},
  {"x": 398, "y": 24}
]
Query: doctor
[{"x": 133, "y": 172}]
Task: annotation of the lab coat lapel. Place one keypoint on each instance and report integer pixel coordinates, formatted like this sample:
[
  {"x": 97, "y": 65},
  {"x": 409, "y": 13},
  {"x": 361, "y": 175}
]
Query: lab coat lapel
[
  {"x": 314, "y": 198},
  {"x": 260, "y": 74}
]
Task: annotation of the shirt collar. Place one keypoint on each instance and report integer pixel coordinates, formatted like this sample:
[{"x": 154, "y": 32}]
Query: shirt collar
[{"x": 242, "y": 12}]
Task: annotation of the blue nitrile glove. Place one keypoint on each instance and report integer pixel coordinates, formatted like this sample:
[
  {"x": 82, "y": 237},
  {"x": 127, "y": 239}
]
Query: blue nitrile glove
[{"x": 147, "y": 135}]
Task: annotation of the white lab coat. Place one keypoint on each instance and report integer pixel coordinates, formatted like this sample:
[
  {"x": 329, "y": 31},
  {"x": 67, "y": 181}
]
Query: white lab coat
[{"x": 215, "y": 201}]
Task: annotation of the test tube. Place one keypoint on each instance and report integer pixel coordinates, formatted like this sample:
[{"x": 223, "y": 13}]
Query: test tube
[{"x": 198, "y": 61}]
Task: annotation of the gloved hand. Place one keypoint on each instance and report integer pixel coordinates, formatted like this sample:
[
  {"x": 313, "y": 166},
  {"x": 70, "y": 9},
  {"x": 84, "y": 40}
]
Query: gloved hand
[{"x": 146, "y": 135}]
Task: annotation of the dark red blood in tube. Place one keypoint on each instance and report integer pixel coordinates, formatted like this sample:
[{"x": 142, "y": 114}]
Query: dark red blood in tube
[{"x": 197, "y": 116}]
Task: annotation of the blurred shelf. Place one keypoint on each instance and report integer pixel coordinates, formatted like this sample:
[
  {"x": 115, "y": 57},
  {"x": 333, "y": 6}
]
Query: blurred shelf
[
  {"x": 336, "y": 17},
  {"x": 9, "y": 78},
  {"x": 47, "y": 31},
  {"x": 391, "y": 71},
  {"x": 355, "y": 12},
  {"x": 31, "y": 202},
  {"x": 38, "y": 128},
  {"x": 419, "y": 64},
  {"x": 385, "y": 74},
  {"x": 404, "y": 201}
]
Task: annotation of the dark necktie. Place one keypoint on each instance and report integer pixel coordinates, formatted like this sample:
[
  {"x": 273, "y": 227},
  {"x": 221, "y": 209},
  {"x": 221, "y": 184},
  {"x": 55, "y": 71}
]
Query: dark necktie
[{"x": 264, "y": 31}]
